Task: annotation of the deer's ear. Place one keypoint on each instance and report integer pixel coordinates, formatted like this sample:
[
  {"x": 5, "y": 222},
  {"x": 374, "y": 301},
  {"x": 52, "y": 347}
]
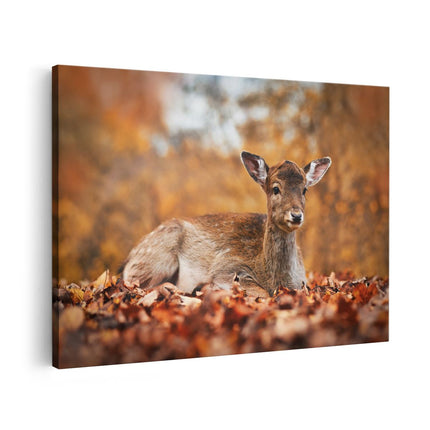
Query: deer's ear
[
  {"x": 315, "y": 170},
  {"x": 256, "y": 167}
]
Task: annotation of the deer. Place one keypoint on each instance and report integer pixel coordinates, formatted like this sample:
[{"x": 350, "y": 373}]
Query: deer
[{"x": 258, "y": 251}]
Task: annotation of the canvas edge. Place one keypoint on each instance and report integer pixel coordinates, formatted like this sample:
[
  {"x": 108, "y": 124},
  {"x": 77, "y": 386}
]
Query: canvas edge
[{"x": 55, "y": 158}]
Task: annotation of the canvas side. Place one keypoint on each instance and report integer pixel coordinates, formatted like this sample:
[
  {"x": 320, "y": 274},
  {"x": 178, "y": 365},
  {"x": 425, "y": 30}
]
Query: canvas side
[{"x": 55, "y": 142}]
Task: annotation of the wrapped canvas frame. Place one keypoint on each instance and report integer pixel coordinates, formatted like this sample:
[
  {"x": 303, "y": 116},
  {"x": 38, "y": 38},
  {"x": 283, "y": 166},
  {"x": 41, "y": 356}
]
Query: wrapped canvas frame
[{"x": 144, "y": 140}]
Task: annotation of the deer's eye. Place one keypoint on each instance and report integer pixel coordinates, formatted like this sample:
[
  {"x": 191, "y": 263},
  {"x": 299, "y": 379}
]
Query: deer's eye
[
  {"x": 276, "y": 190},
  {"x": 304, "y": 191}
]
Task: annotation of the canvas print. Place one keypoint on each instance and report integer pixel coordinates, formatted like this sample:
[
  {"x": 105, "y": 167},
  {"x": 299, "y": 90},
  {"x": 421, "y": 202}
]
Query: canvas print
[{"x": 198, "y": 215}]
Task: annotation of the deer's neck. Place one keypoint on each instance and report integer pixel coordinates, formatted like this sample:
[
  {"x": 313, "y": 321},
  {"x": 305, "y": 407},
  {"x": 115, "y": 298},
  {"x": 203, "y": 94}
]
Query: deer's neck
[{"x": 281, "y": 257}]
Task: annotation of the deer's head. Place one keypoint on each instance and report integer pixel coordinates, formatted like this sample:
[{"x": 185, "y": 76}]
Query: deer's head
[{"x": 285, "y": 185}]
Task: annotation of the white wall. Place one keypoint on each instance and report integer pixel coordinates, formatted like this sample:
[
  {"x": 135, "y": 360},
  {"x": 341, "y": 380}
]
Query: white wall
[{"x": 365, "y": 386}]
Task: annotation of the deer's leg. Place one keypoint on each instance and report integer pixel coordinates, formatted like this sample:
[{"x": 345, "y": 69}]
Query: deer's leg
[
  {"x": 225, "y": 273},
  {"x": 155, "y": 259},
  {"x": 253, "y": 289}
]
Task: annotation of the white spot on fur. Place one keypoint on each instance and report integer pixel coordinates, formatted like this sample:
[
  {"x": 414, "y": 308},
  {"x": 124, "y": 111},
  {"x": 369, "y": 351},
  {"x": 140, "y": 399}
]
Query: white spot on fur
[
  {"x": 224, "y": 285},
  {"x": 190, "y": 275}
]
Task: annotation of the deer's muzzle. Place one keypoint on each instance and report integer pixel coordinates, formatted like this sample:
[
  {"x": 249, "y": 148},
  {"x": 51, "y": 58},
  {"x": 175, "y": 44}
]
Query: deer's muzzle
[{"x": 294, "y": 218}]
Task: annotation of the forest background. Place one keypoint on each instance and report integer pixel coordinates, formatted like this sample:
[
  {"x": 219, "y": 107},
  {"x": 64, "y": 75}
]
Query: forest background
[{"x": 137, "y": 148}]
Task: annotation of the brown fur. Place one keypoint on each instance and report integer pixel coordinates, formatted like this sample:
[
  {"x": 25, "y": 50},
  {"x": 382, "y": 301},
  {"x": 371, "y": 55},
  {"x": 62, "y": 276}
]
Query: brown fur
[{"x": 258, "y": 250}]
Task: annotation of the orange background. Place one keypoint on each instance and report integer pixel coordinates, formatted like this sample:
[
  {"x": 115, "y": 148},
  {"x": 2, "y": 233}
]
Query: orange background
[{"x": 136, "y": 148}]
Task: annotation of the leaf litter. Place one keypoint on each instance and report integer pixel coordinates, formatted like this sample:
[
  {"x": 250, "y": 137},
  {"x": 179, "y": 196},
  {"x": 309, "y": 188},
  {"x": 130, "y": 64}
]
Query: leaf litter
[{"x": 109, "y": 321}]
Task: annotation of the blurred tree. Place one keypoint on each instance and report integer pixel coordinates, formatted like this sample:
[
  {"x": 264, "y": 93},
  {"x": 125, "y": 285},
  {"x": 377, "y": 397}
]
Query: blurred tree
[{"x": 137, "y": 148}]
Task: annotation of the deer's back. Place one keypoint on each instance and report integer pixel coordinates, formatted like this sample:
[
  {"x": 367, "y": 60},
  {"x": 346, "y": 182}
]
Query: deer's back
[
  {"x": 193, "y": 251},
  {"x": 239, "y": 234}
]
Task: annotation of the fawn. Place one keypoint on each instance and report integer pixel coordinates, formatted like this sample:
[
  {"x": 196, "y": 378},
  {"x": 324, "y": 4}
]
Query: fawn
[{"x": 259, "y": 251}]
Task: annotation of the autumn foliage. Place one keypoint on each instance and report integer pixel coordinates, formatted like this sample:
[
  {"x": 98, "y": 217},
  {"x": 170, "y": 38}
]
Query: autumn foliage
[
  {"x": 109, "y": 321},
  {"x": 136, "y": 148}
]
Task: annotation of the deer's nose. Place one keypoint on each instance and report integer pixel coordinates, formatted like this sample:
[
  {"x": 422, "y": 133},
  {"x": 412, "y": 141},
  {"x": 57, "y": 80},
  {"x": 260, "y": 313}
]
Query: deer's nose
[{"x": 296, "y": 217}]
